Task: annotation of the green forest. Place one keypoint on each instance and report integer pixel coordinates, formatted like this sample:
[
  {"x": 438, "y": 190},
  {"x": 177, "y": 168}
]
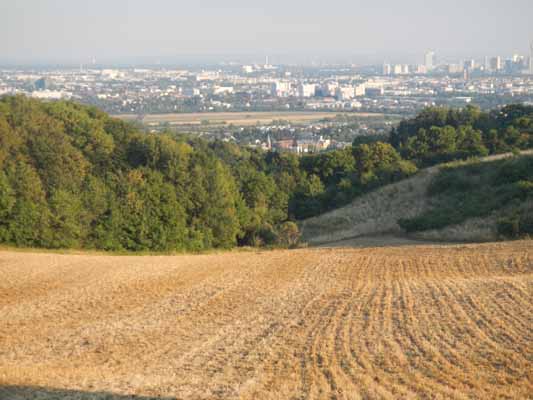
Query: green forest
[{"x": 73, "y": 177}]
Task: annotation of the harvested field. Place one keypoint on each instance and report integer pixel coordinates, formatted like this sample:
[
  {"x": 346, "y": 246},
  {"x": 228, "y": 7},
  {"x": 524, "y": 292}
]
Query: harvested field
[
  {"x": 240, "y": 118},
  {"x": 449, "y": 322}
]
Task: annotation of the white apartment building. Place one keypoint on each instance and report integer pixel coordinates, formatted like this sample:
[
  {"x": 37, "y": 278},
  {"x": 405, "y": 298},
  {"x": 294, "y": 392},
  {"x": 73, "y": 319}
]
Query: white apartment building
[
  {"x": 329, "y": 88},
  {"x": 345, "y": 92},
  {"x": 281, "y": 88},
  {"x": 306, "y": 90},
  {"x": 401, "y": 69},
  {"x": 359, "y": 90},
  {"x": 50, "y": 95},
  {"x": 223, "y": 90}
]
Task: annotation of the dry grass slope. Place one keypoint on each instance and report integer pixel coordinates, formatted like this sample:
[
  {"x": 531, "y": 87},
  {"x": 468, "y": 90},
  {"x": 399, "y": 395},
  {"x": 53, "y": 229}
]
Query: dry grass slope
[
  {"x": 371, "y": 214},
  {"x": 449, "y": 322},
  {"x": 378, "y": 212}
]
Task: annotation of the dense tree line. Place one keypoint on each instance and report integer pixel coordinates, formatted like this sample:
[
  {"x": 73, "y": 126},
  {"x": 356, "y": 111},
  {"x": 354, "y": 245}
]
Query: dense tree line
[
  {"x": 71, "y": 176},
  {"x": 440, "y": 134}
]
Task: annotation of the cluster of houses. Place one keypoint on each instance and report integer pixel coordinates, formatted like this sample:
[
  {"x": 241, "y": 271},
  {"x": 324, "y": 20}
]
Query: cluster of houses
[{"x": 303, "y": 145}]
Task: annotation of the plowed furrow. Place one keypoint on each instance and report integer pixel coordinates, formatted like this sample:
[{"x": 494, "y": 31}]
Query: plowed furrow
[
  {"x": 428, "y": 322},
  {"x": 427, "y": 364},
  {"x": 477, "y": 349}
]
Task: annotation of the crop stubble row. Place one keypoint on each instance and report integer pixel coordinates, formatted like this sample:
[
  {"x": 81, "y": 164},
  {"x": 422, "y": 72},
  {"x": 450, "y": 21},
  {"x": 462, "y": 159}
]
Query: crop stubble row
[{"x": 406, "y": 322}]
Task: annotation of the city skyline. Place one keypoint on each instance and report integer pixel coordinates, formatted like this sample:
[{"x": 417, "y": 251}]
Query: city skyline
[
  {"x": 61, "y": 32},
  {"x": 207, "y": 61}
]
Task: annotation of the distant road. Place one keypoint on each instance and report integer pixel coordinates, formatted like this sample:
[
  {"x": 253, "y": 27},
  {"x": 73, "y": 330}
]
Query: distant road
[{"x": 239, "y": 118}]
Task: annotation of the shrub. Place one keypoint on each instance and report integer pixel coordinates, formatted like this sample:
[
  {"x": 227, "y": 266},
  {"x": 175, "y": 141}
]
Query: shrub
[
  {"x": 288, "y": 234},
  {"x": 509, "y": 227}
]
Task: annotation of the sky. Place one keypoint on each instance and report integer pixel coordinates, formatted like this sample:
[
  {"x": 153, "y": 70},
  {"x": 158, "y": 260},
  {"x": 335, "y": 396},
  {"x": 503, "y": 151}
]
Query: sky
[{"x": 152, "y": 31}]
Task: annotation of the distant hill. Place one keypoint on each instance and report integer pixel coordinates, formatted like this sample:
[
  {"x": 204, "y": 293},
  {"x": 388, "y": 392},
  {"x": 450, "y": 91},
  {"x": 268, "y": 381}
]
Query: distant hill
[{"x": 478, "y": 200}]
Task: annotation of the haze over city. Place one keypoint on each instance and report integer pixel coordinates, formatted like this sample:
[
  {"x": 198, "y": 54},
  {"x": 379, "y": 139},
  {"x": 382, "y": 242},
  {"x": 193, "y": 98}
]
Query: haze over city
[{"x": 164, "y": 31}]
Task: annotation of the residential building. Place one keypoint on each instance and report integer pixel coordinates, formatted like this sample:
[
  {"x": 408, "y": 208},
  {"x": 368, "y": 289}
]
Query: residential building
[
  {"x": 281, "y": 88},
  {"x": 345, "y": 92},
  {"x": 306, "y": 90}
]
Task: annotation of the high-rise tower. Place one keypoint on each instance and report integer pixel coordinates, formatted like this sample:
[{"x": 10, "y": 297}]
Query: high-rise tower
[
  {"x": 531, "y": 58},
  {"x": 429, "y": 60}
]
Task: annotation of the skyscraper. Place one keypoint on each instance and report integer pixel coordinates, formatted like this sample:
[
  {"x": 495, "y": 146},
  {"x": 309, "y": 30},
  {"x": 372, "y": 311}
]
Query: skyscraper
[
  {"x": 470, "y": 65},
  {"x": 487, "y": 64},
  {"x": 429, "y": 60},
  {"x": 531, "y": 58},
  {"x": 496, "y": 64}
]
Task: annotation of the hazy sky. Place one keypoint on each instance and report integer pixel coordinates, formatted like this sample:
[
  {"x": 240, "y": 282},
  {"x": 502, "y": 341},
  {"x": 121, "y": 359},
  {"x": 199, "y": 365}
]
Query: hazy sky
[{"x": 59, "y": 31}]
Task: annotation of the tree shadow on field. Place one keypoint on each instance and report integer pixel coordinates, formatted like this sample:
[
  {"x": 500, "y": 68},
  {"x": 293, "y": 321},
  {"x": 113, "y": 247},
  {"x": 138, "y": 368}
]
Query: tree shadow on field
[{"x": 43, "y": 393}]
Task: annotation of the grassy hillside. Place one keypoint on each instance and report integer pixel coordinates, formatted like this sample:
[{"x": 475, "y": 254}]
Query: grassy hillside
[
  {"x": 458, "y": 201},
  {"x": 500, "y": 191},
  {"x": 371, "y": 214}
]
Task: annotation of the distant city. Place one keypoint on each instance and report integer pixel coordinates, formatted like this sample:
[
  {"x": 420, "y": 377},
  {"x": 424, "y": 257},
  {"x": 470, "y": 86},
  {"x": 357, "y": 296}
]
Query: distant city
[{"x": 395, "y": 90}]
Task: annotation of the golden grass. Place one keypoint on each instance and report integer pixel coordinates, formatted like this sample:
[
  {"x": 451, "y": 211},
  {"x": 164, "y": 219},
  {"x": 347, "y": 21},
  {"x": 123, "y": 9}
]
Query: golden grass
[
  {"x": 388, "y": 323},
  {"x": 378, "y": 212},
  {"x": 372, "y": 214},
  {"x": 240, "y": 118}
]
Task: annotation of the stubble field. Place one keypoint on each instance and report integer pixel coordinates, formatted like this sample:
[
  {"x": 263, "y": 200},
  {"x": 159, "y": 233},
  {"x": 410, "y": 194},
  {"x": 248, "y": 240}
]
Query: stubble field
[
  {"x": 242, "y": 118},
  {"x": 450, "y": 322}
]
